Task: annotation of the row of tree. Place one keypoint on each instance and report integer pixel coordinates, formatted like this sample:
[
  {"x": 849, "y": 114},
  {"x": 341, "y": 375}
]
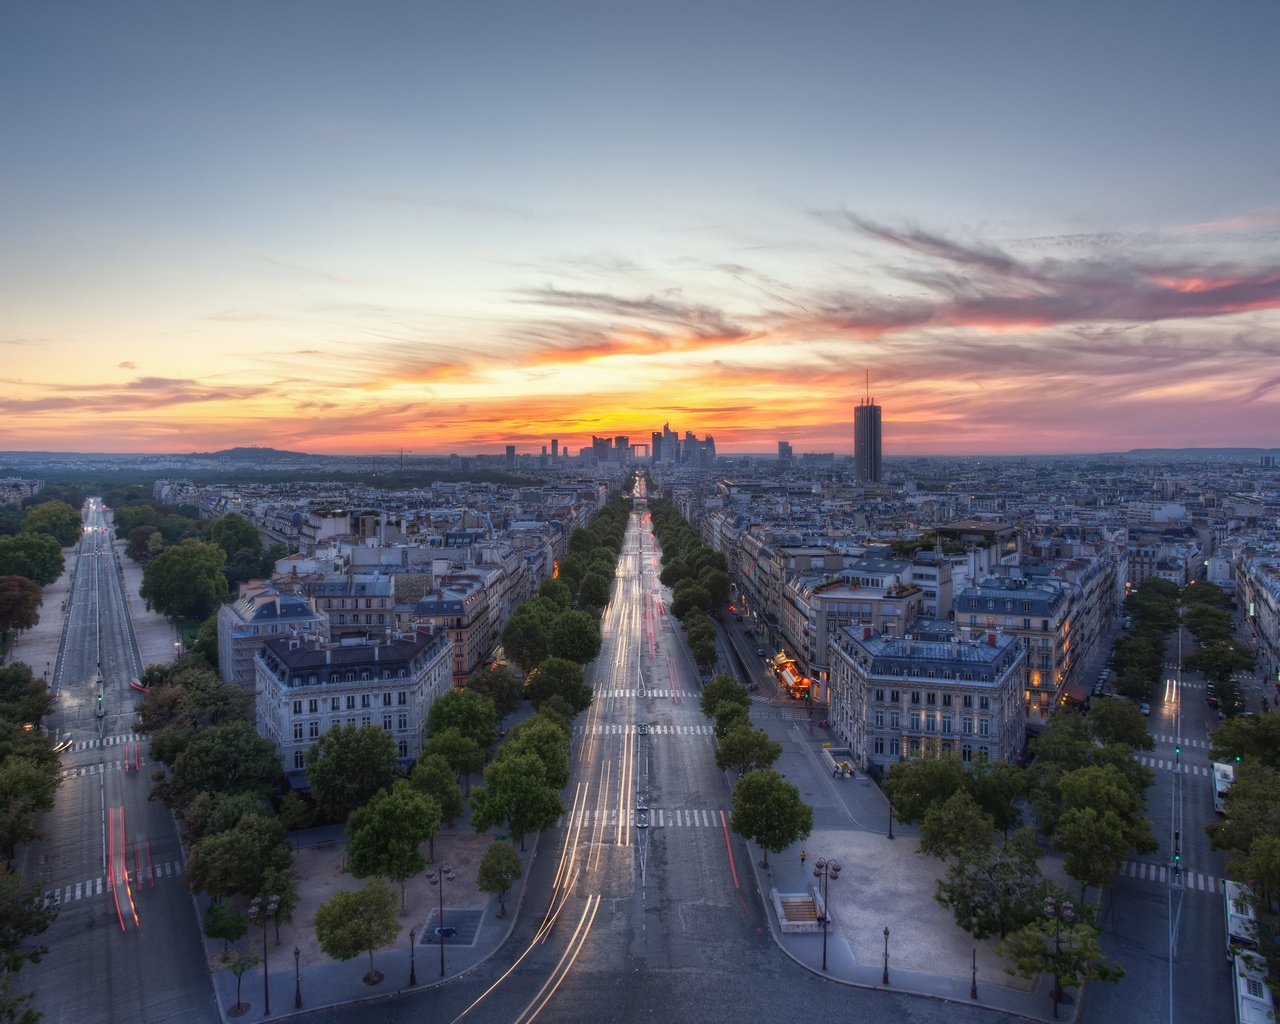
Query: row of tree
[
  {"x": 29, "y": 775},
  {"x": 698, "y": 577},
  {"x": 30, "y": 558}
]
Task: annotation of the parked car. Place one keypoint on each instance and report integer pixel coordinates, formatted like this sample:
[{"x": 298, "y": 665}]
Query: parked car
[
  {"x": 760, "y": 651},
  {"x": 1145, "y": 708}
]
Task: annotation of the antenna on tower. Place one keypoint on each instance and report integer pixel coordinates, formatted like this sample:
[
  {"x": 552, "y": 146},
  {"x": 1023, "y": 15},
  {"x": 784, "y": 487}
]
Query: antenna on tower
[{"x": 868, "y": 402}]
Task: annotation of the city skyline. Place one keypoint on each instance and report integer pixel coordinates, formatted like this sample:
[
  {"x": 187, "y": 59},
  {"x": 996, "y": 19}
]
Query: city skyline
[{"x": 325, "y": 229}]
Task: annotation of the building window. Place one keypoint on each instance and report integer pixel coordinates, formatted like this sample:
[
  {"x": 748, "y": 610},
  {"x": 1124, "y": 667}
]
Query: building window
[
  {"x": 351, "y": 703},
  {"x": 351, "y": 720},
  {"x": 386, "y": 723},
  {"x": 946, "y": 700},
  {"x": 880, "y": 695},
  {"x": 931, "y": 698},
  {"x": 946, "y": 723},
  {"x": 930, "y": 723},
  {"x": 915, "y": 746},
  {"x": 297, "y": 707},
  {"x": 402, "y": 748},
  {"x": 895, "y": 748},
  {"x": 895, "y": 697},
  {"x": 366, "y": 720},
  {"x": 879, "y": 719},
  {"x": 364, "y": 700},
  {"x": 984, "y": 755},
  {"x": 297, "y": 730},
  {"x": 313, "y": 729},
  {"x": 1026, "y": 623},
  {"x": 297, "y": 760},
  {"x": 915, "y": 721},
  {"x": 895, "y": 720},
  {"x": 402, "y": 698},
  {"x": 386, "y": 699},
  {"x": 966, "y": 724},
  {"x": 984, "y": 703},
  {"x": 402, "y": 722},
  {"x": 335, "y": 704},
  {"x": 915, "y": 696},
  {"x": 967, "y": 700},
  {"x": 984, "y": 727},
  {"x": 966, "y": 753},
  {"x": 313, "y": 706}
]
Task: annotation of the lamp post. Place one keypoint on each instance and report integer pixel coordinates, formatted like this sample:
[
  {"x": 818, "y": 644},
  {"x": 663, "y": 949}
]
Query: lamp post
[
  {"x": 413, "y": 964},
  {"x": 884, "y": 980},
  {"x": 890, "y": 820},
  {"x": 825, "y": 870},
  {"x": 438, "y": 878},
  {"x": 973, "y": 978},
  {"x": 297, "y": 978},
  {"x": 257, "y": 909},
  {"x": 1059, "y": 910}
]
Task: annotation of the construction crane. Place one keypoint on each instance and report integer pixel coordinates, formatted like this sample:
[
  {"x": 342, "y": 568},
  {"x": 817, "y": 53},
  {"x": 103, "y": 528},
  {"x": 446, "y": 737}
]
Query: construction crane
[{"x": 402, "y": 452}]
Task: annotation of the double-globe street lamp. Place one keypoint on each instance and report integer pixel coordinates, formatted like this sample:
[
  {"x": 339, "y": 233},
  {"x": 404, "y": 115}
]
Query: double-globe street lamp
[
  {"x": 1059, "y": 911},
  {"x": 825, "y": 870},
  {"x": 297, "y": 978},
  {"x": 438, "y": 878},
  {"x": 413, "y": 963},
  {"x": 257, "y": 909}
]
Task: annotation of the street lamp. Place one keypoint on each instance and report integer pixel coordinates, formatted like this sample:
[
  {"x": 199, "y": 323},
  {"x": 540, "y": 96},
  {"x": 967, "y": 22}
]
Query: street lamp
[
  {"x": 258, "y": 910},
  {"x": 297, "y": 979},
  {"x": 890, "y": 819},
  {"x": 1059, "y": 910},
  {"x": 825, "y": 870},
  {"x": 413, "y": 964},
  {"x": 438, "y": 878},
  {"x": 884, "y": 980}
]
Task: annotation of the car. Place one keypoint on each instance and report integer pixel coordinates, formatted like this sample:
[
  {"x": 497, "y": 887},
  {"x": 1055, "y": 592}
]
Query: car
[
  {"x": 759, "y": 651},
  {"x": 63, "y": 745},
  {"x": 1097, "y": 688},
  {"x": 1145, "y": 708},
  {"x": 738, "y": 617},
  {"x": 642, "y": 729},
  {"x": 1211, "y": 700}
]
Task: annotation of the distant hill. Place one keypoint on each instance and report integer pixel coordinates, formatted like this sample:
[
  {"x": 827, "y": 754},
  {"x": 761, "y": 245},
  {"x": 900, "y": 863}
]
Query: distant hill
[{"x": 250, "y": 455}]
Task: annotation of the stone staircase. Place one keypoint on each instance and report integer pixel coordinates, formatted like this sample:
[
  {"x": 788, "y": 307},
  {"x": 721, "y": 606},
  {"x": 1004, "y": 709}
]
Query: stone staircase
[{"x": 797, "y": 912}]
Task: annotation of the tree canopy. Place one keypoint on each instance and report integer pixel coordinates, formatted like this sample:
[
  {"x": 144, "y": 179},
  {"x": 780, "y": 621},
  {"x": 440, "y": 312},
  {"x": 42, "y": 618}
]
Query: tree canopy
[
  {"x": 54, "y": 519},
  {"x": 770, "y": 811},
  {"x": 185, "y": 581},
  {"x": 385, "y": 836},
  {"x": 349, "y": 764},
  {"x": 351, "y": 923}
]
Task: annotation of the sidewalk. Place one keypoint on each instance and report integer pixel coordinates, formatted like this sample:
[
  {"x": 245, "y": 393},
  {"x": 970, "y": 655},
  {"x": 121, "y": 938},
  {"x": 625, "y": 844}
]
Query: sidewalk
[{"x": 883, "y": 884}]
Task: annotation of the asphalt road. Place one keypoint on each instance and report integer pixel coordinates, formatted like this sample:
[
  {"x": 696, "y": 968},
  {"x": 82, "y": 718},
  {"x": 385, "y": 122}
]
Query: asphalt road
[
  {"x": 128, "y": 951},
  {"x": 663, "y": 922}
]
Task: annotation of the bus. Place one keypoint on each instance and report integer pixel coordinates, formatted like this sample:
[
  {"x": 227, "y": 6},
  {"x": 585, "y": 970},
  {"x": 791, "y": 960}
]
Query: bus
[
  {"x": 1223, "y": 776},
  {"x": 1253, "y": 997},
  {"x": 1242, "y": 923}
]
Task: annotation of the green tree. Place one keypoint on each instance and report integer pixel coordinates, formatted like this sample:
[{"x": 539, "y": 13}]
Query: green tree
[
  {"x": 54, "y": 519},
  {"x": 730, "y": 715},
  {"x": 1067, "y": 949},
  {"x": 471, "y": 713},
  {"x": 24, "y": 914},
  {"x": 349, "y": 764},
  {"x": 233, "y": 533},
  {"x": 769, "y": 810},
  {"x": 593, "y": 591},
  {"x": 224, "y": 921},
  {"x": 20, "y": 601},
  {"x": 235, "y": 862},
  {"x": 295, "y": 813},
  {"x": 385, "y": 836},
  {"x": 463, "y": 754},
  {"x": 230, "y": 756},
  {"x": 33, "y": 555},
  {"x": 499, "y": 869},
  {"x": 351, "y": 923},
  {"x": 543, "y": 737},
  {"x": 744, "y": 749},
  {"x": 433, "y": 776},
  {"x": 516, "y": 794},
  {"x": 1218, "y": 660},
  {"x": 997, "y": 787},
  {"x": 127, "y": 518},
  {"x": 560, "y": 677},
  {"x": 704, "y": 652},
  {"x": 956, "y": 827},
  {"x": 185, "y": 581},
  {"x": 27, "y": 788},
  {"x": 557, "y": 592},
  {"x": 1255, "y": 739},
  {"x": 138, "y": 547},
  {"x": 1114, "y": 720},
  {"x": 500, "y": 685},
  {"x": 997, "y": 889},
  {"x": 723, "y": 687},
  {"x": 912, "y": 786},
  {"x": 23, "y": 697},
  {"x": 574, "y": 637},
  {"x": 239, "y": 962},
  {"x": 526, "y": 638}
]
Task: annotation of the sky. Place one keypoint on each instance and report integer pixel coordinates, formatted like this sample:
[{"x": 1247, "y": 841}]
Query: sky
[{"x": 358, "y": 228}]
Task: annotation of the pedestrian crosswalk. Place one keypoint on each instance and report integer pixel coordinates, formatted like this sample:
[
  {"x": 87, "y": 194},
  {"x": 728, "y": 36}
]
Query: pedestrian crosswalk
[
  {"x": 1159, "y": 873},
  {"x": 614, "y": 728},
  {"x": 101, "y": 769},
  {"x": 1168, "y": 764},
  {"x": 1184, "y": 742},
  {"x": 106, "y": 741},
  {"x": 99, "y": 886},
  {"x": 646, "y": 692},
  {"x": 657, "y": 817}
]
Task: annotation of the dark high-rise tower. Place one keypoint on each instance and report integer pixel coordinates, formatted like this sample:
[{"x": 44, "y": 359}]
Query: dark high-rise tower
[{"x": 866, "y": 440}]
